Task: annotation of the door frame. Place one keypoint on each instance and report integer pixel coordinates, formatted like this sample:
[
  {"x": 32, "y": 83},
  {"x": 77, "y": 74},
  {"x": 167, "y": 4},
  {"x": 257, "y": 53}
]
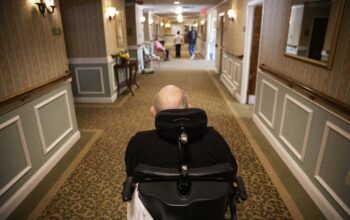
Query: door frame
[
  {"x": 248, "y": 46},
  {"x": 221, "y": 20},
  {"x": 212, "y": 16}
]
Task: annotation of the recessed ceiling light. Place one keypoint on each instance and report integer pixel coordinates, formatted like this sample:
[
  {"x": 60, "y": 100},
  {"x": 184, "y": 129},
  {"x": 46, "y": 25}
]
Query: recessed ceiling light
[
  {"x": 178, "y": 10},
  {"x": 177, "y": 2}
]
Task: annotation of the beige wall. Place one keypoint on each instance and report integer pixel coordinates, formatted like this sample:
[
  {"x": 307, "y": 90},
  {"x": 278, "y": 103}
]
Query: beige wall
[
  {"x": 233, "y": 35},
  {"x": 335, "y": 83},
  {"x": 29, "y": 53},
  {"x": 84, "y": 29},
  {"x": 146, "y": 27},
  {"x": 110, "y": 27},
  {"x": 131, "y": 24}
]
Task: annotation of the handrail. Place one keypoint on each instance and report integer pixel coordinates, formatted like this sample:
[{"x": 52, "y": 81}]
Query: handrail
[
  {"x": 308, "y": 91},
  {"x": 238, "y": 56},
  {"x": 10, "y": 102}
]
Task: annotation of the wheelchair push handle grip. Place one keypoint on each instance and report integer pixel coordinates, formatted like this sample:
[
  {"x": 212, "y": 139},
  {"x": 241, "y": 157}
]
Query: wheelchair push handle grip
[{"x": 128, "y": 189}]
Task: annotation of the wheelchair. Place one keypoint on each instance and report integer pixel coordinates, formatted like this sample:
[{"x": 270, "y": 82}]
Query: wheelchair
[{"x": 185, "y": 193}]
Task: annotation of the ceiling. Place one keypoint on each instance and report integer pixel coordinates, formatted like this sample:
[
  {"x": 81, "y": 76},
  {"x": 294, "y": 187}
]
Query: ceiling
[{"x": 190, "y": 8}]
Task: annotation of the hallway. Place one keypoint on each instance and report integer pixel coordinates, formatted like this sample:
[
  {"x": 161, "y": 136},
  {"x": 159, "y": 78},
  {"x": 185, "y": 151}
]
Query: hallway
[
  {"x": 66, "y": 115},
  {"x": 92, "y": 191}
]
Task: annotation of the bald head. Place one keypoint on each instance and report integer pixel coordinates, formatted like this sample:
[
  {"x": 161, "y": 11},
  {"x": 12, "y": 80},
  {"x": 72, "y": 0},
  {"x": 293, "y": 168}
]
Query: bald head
[{"x": 170, "y": 97}]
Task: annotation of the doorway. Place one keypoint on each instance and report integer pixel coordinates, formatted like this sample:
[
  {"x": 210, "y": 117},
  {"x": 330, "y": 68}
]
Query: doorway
[
  {"x": 251, "y": 51},
  {"x": 211, "y": 49},
  {"x": 219, "y": 42},
  {"x": 318, "y": 34}
]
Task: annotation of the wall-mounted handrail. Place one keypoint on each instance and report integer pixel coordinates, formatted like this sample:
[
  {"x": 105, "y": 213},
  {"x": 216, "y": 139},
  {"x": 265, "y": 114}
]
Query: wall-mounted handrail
[
  {"x": 10, "y": 102},
  {"x": 238, "y": 56},
  {"x": 308, "y": 91}
]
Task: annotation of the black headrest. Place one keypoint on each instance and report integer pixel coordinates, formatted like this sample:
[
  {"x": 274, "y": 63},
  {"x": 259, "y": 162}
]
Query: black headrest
[{"x": 169, "y": 123}]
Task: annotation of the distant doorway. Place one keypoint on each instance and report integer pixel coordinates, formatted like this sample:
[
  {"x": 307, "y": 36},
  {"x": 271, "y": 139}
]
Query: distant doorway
[{"x": 251, "y": 51}]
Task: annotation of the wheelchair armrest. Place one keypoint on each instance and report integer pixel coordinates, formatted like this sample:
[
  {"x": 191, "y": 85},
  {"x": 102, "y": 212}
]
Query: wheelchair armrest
[
  {"x": 220, "y": 172},
  {"x": 146, "y": 173},
  {"x": 128, "y": 189},
  {"x": 239, "y": 191}
]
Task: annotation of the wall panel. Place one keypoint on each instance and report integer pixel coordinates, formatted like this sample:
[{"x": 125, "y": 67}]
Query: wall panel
[
  {"x": 312, "y": 140},
  {"x": 83, "y": 22}
]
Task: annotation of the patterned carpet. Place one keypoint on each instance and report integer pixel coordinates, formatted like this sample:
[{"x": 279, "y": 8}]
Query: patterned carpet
[{"x": 93, "y": 190}]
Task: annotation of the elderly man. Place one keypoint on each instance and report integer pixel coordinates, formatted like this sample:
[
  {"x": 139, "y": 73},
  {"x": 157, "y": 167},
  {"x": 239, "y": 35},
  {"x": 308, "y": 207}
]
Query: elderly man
[{"x": 148, "y": 148}]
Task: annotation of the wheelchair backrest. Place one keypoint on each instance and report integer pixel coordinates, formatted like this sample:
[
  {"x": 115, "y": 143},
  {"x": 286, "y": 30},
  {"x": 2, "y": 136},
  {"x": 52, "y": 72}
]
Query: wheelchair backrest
[{"x": 184, "y": 193}]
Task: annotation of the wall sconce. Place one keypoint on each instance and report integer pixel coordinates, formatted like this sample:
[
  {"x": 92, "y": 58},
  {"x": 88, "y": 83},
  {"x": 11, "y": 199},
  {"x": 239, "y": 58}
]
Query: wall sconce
[
  {"x": 167, "y": 25},
  {"x": 143, "y": 19},
  {"x": 202, "y": 22},
  {"x": 150, "y": 21},
  {"x": 46, "y": 5},
  {"x": 232, "y": 15},
  {"x": 161, "y": 24},
  {"x": 112, "y": 12},
  {"x": 195, "y": 25}
]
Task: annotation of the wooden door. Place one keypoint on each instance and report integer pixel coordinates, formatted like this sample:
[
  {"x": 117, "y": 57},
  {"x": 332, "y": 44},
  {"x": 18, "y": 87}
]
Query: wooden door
[
  {"x": 317, "y": 37},
  {"x": 254, "y": 56},
  {"x": 219, "y": 38}
]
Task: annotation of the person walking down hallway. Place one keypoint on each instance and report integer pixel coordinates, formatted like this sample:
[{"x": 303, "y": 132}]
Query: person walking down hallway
[
  {"x": 178, "y": 40},
  {"x": 192, "y": 38}
]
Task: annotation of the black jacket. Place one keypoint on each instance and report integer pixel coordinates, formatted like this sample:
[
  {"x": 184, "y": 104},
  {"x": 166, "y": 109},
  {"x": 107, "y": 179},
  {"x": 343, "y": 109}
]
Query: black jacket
[{"x": 148, "y": 148}]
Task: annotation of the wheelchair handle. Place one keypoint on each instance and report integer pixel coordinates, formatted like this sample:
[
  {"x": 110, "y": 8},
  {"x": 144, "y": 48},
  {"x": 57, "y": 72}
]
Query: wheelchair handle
[{"x": 128, "y": 189}]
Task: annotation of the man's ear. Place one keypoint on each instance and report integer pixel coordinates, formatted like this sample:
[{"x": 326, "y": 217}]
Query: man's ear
[
  {"x": 189, "y": 105},
  {"x": 153, "y": 111}
]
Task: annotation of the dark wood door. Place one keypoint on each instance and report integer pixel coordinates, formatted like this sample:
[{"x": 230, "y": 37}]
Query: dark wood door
[
  {"x": 219, "y": 37},
  {"x": 317, "y": 38},
  {"x": 254, "y": 55}
]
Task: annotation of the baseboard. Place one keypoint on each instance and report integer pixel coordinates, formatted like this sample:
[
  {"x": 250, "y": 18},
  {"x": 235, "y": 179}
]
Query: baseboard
[
  {"x": 91, "y": 60},
  {"x": 230, "y": 87},
  {"x": 322, "y": 203},
  {"x": 14, "y": 201},
  {"x": 238, "y": 97},
  {"x": 251, "y": 99},
  {"x": 96, "y": 99}
]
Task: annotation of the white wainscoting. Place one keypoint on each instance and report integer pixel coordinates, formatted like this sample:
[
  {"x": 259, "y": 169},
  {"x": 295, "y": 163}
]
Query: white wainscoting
[
  {"x": 77, "y": 69},
  {"x": 269, "y": 121},
  {"x": 96, "y": 99},
  {"x": 323, "y": 204},
  {"x": 300, "y": 155},
  {"x": 237, "y": 74},
  {"x": 308, "y": 170},
  {"x": 14, "y": 201},
  {"x": 48, "y": 147},
  {"x": 16, "y": 120},
  {"x": 330, "y": 126},
  {"x": 231, "y": 74},
  {"x": 92, "y": 60}
]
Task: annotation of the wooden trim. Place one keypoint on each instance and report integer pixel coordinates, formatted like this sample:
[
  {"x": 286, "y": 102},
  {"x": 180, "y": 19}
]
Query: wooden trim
[
  {"x": 10, "y": 102},
  {"x": 308, "y": 91},
  {"x": 238, "y": 56}
]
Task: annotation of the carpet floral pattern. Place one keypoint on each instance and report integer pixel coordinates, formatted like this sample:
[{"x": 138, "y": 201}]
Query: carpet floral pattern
[{"x": 93, "y": 190}]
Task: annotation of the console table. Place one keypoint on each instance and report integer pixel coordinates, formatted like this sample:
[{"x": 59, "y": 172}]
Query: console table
[{"x": 130, "y": 68}]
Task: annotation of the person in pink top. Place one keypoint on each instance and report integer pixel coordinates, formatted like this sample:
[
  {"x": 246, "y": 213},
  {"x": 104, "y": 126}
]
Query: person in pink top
[{"x": 160, "y": 48}]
